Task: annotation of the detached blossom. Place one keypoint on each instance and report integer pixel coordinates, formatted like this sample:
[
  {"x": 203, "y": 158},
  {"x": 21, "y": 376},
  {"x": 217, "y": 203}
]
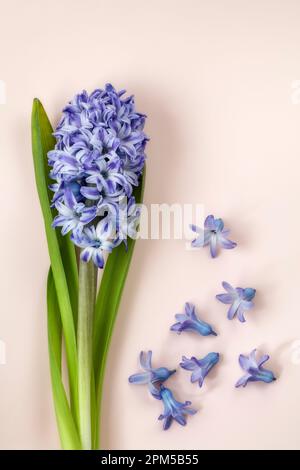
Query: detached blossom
[
  {"x": 200, "y": 367},
  {"x": 97, "y": 161},
  {"x": 173, "y": 409},
  {"x": 254, "y": 370},
  {"x": 239, "y": 298},
  {"x": 151, "y": 377},
  {"x": 213, "y": 235},
  {"x": 189, "y": 321}
]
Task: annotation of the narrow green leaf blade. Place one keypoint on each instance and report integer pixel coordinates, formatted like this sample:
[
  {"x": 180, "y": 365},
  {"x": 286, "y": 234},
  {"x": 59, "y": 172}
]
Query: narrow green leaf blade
[{"x": 66, "y": 426}]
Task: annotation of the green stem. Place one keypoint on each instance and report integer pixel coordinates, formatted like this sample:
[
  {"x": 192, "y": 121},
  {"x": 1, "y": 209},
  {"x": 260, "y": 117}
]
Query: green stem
[{"x": 86, "y": 306}]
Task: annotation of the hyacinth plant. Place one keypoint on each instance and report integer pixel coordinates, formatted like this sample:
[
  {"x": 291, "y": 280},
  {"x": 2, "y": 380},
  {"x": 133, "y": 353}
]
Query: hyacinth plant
[{"x": 90, "y": 177}]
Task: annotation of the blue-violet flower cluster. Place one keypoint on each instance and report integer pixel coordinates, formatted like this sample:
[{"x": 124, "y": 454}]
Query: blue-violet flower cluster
[{"x": 97, "y": 161}]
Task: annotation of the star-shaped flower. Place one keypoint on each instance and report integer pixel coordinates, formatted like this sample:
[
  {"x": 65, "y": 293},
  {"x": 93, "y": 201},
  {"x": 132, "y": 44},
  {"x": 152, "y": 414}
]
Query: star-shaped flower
[
  {"x": 239, "y": 298},
  {"x": 72, "y": 214},
  {"x": 213, "y": 235},
  {"x": 94, "y": 242},
  {"x": 254, "y": 370}
]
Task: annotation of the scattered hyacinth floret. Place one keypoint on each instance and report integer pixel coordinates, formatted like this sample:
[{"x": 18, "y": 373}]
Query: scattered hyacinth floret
[
  {"x": 213, "y": 234},
  {"x": 173, "y": 409},
  {"x": 97, "y": 161},
  {"x": 189, "y": 321},
  {"x": 200, "y": 367},
  {"x": 239, "y": 298},
  {"x": 254, "y": 370},
  {"x": 151, "y": 377}
]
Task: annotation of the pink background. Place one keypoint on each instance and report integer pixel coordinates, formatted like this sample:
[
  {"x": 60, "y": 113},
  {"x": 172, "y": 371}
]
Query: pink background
[{"x": 215, "y": 78}]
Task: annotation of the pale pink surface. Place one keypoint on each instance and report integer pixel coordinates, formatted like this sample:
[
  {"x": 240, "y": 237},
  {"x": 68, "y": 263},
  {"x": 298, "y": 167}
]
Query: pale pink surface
[{"x": 215, "y": 79}]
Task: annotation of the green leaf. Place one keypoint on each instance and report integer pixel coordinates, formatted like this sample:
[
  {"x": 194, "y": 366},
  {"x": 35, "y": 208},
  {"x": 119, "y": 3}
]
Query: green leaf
[
  {"x": 108, "y": 300},
  {"x": 66, "y": 426},
  {"x": 93, "y": 412},
  {"x": 61, "y": 250}
]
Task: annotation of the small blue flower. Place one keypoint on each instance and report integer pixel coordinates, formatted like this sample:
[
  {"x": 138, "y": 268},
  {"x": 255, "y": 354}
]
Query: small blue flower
[
  {"x": 189, "y": 321},
  {"x": 152, "y": 377},
  {"x": 254, "y": 370},
  {"x": 94, "y": 242},
  {"x": 173, "y": 409},
  {"x": 125, "y": 222},
  {"x": 73, "y": 215},
  {"x": 200, "y": 367},
  {"x": 240, "y": 300},
  {"x": 213, "y": 235}
]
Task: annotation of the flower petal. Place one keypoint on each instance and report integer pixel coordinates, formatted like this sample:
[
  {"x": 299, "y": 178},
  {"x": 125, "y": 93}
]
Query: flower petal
[
  {"x": 197, "y": 376},
  {"x": 213, "y": 245},
  {"x": 263, "y": 359},
  {"x": 209, "y": 222},
  {"x": 188, "y": 364},
  {"x": 180, "y": 419},
  {"x": 145, "y": 359},
  {"x": 202, "y": 240},
  {"x": 86, "y": 254},
  {"x": 233, "y": 309},
  {"x": 167, "y": 422},
  {"x": 228, "y": 287},
  {"x": 176, "y": 327},
  {"x": 69, "y": 198},
  {"x": 240, "y": 314},
  {"x": 90, "y": 192},
  {"x": 245, "y": 363},
  {"x": 190, "y": 310},
  {"x": 247, "y": 304},
  {"x": 181, "y": 317},
  {"x": 243, "y": 381},
  {"x": 141, "y": 378},
  {"x": 225, "y": 298},
  {"x": 226, "y": 243},
  {"x": 196, "y": 229},
  {"x": 98, "y": 258}
]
